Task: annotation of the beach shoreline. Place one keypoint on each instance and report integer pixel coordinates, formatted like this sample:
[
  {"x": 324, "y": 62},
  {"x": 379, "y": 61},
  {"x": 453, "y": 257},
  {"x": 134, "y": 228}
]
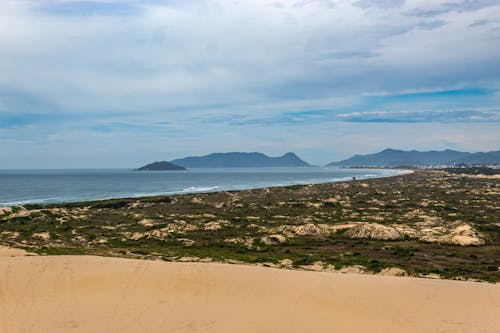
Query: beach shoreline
[{"x": 216, "y": 189}]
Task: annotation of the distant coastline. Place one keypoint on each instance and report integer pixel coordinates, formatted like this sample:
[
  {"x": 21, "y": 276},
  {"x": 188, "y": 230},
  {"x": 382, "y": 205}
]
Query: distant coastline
[{"x": 256, "y": 178}]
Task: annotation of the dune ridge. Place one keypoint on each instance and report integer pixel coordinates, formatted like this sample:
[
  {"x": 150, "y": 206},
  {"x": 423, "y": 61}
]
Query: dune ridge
[{"x": 99, "y": 294}]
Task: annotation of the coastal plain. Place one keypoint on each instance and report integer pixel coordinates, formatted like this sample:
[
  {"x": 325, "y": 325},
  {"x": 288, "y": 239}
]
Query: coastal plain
[
  {"x": 426, "y": 223},
  {"x": 188, "y": 263}
]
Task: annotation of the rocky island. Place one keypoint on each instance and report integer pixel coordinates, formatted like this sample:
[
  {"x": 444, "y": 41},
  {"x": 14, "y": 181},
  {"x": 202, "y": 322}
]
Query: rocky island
[{"x": 161, "y": 166}]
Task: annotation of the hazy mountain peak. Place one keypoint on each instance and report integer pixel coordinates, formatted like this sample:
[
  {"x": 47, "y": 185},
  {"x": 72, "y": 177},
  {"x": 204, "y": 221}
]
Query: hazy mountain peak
[
  {"x": 394, "y": 158},
  {"x": 240, "y": 160}
]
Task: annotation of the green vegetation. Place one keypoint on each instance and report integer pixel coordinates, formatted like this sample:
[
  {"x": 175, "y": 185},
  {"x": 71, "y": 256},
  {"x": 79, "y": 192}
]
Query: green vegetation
[{"x": 474, "y": 171}]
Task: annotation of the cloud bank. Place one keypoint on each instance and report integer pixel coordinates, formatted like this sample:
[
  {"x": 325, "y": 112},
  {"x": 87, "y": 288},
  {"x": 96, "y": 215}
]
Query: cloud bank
[{"x": 149, "y": 80}]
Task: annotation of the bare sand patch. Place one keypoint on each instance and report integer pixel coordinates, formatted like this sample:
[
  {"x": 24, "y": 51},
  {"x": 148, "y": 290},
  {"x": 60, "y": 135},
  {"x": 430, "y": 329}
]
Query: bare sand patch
[
  {"x": 215, "y": 225},
  {"x": 5, "y": 210},
  {"x": 393, "y": 271},
  {"x": 11, "y": 252},
  {"x": 146, "y": 222},
  {"x": 96, "y": 294},
  {"x": 374, "y": 231},
  {"x": 482, "y": 176},
  {"x": 456, "y": 233},
  {"x": 41, "y": 235}
]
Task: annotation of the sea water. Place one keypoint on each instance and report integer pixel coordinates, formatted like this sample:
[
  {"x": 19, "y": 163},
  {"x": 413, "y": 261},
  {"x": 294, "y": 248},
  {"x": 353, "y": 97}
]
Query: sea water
[{"x": 54, "y": 186}]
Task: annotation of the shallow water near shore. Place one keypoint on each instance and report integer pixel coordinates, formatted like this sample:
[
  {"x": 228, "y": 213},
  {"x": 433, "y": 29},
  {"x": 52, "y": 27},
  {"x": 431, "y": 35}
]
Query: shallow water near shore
[{"x": 55, "y": 186}]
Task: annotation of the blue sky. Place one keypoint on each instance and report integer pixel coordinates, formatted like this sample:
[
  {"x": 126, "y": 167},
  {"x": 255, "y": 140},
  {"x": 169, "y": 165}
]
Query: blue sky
[{"x": 121, "y": 83}]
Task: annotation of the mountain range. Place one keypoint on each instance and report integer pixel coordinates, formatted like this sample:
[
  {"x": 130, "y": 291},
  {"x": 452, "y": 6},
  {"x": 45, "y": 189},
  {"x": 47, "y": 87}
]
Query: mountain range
[
  {"x": 396, "y": 158},
  {"x": 240, "y": 160},
  {"x": 387, "y": 158}
]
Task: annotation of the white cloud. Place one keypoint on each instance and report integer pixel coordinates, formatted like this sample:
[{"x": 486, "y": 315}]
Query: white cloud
[{"x": 185, "y": 61}]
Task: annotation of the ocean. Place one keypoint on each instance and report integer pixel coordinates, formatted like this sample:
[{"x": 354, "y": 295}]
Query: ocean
[{"x": 55, "y": 186}]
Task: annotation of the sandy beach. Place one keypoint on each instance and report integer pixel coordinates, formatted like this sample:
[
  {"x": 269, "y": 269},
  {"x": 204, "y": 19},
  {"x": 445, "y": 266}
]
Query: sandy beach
[{"x": 98, "y": 294}]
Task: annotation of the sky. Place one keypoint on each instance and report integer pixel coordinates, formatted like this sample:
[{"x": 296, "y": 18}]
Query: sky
[{"x": 112, "y": 83}]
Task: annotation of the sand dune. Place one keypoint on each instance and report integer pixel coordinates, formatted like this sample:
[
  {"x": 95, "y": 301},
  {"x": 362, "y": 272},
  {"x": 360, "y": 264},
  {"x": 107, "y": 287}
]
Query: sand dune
[
  {"x": 94, "y": 294},
  {"x": 11, "y": 252}
]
